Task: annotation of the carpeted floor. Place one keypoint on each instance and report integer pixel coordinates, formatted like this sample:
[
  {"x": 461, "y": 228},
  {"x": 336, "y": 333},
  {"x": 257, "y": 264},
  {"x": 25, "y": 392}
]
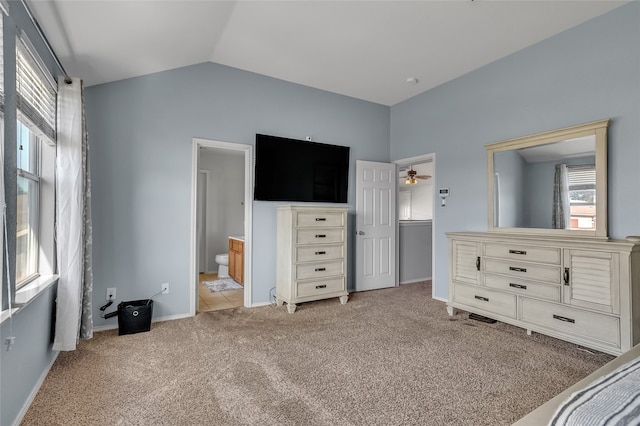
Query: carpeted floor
[{"x": 387, "y": 357}]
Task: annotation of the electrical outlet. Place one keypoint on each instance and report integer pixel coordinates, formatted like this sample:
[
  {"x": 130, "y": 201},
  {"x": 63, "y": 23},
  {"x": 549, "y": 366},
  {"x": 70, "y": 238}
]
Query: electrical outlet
[
  {"x": 8, "y": 342},
  {"x": 111, "y": 294},
  {"x": 165, "y": 288}
]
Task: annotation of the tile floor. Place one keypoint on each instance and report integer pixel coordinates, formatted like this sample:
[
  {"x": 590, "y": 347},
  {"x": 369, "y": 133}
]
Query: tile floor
[{"x": 217, "y": 300}]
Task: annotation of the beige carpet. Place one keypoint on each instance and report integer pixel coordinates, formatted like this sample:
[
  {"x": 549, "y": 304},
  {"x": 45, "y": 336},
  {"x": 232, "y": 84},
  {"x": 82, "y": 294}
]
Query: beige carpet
[{"x": 387, "y": 357}]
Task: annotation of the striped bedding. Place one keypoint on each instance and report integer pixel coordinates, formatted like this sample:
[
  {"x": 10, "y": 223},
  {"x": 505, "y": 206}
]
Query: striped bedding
[{"x": 612, "y": 400}]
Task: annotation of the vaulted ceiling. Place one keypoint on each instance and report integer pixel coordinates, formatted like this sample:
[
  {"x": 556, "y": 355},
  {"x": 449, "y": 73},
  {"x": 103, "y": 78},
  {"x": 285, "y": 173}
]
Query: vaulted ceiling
[{"x": 364, "y": 49}]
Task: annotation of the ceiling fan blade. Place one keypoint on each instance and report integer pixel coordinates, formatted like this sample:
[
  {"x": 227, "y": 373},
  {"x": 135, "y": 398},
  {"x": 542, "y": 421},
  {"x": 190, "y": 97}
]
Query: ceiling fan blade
[{"x": 423, "y": 177}]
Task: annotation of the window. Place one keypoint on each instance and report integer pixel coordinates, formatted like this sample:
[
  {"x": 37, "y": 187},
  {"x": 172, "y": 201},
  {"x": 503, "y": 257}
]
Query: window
[
  {"x": 582, "y": 196},
  {"x": 28, "y": 211},
  {"x": 35, "y": 136}
]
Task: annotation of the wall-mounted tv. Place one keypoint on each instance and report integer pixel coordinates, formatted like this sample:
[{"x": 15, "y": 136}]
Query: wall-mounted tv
[{"x": 296, "y": 170}]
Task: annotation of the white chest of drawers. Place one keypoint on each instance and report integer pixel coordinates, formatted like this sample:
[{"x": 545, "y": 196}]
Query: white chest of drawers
[
  {"x": 583, "y": 291},
  {"x": 311, "y": 254}
]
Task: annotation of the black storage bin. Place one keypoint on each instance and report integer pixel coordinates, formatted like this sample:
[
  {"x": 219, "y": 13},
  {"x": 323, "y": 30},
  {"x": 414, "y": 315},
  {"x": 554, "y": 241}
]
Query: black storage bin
[{"x": 134, "y": 316}]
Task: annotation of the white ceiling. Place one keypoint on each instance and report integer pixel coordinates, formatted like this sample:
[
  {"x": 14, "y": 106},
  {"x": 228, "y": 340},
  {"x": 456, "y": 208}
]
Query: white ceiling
[
  {"x": 364, "y": 49},
  {"x": 570, "y": 148}
]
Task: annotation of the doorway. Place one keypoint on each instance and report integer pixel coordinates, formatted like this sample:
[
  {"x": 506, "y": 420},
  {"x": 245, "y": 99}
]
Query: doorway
[
  {"x": 241, "y": 176},
  {"x": 416, "y": 225}
]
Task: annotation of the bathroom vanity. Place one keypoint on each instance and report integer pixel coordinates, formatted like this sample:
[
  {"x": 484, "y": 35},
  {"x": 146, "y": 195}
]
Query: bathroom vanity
[{"x": 236, "y": 259}]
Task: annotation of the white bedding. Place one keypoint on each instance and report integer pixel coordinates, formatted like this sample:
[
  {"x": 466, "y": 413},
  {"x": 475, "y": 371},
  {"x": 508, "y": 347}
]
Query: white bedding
[{"x": 614, "y": 399}]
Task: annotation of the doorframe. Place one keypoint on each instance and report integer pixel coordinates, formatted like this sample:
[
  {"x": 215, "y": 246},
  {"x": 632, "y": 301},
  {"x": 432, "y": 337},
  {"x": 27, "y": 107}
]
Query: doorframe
[
  {"x": 407, "y": 162},
  {"x": 204, "y": 224},
  {"x": 197, "y": 143}
]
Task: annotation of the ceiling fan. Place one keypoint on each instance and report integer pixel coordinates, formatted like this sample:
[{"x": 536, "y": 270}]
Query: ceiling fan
[{"x": 412, "y": 177}]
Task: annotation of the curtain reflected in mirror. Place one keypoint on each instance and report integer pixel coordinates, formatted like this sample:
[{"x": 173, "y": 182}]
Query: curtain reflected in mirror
[{"x": 561, "y": 217}]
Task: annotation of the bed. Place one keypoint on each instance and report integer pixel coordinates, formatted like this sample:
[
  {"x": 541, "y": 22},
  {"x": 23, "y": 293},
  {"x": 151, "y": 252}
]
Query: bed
[{"x": 608, "y": 396}]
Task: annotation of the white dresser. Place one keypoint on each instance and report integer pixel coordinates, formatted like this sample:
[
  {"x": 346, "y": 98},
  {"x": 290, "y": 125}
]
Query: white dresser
[
  {"x": 585, "y": 291},
  {"x": 311, "y": 254}
]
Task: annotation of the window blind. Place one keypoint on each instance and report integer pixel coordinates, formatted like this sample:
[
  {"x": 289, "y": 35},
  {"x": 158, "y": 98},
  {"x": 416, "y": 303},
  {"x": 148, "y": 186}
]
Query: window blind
[
  {"x": 582, "y": 175},
  {"x": 36, "y": 94}
]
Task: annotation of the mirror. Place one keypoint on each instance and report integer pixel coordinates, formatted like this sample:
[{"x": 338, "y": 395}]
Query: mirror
[{"x": 550, "y": 183}]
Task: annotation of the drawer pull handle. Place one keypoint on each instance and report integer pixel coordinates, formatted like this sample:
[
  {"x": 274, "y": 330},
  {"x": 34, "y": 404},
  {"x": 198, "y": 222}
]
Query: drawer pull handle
[
  {"x": 478, "y": 263},
  {"x": 320, "y": 269},
  {"x": 522, "y": 252},
  {"x": 321, "y": 219},
  {"x": 513, "y": 268},
  {"x": 484, "y": 299},
  {"x": 321, "y": 286},
  {"x": 564, "y": 319},
  {"x": 566, "y": 276},
  {"x": 321, "y": 252},
  {"x": 321, "y": 236},
  {"x": 520, "y": 286}
]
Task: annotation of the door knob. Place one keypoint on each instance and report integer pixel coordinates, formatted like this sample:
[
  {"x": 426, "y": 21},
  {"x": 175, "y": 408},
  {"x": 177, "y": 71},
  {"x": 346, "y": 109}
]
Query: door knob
[{"x": 360, "y": 232}]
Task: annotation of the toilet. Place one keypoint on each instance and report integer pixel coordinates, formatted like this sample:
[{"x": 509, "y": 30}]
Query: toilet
[{"x": 223, "y": 265}]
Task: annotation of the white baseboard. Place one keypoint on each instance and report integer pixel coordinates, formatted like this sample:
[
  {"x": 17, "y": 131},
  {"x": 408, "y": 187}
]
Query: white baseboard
[
  {"x": 34, "y": 391},
  {"x": 104, "y": 327},
  {"x": 441, "y": 299},
  {"x": 415, "y": 280},
  {"x": 172, "y": 317},
  {"x": 167, "y": 318},
  {"x": 255, "y": 305}
]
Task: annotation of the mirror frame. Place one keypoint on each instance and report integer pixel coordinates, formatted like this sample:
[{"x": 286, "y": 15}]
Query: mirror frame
[{"x": 597, "y": 129}]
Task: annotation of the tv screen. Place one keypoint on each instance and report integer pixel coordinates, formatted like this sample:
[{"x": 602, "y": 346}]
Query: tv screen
[{"x": 296, "y": 170}]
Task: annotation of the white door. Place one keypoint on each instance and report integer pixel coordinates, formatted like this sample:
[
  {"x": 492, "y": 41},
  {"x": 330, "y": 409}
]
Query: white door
[{"x": 375, "y": 225}]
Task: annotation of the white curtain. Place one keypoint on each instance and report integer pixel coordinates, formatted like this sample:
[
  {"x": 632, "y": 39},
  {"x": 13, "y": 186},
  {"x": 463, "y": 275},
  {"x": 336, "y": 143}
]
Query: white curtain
[
  {"x": 561, "y": 217},
  {"x": 73, "y": 220}
]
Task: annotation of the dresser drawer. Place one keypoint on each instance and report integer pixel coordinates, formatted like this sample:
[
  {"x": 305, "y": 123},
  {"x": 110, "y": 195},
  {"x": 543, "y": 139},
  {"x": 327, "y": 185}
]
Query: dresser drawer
[
  {"x": 523, "y": 287},
  {"x": 315, "y": 253},
  {"x": 319, "y": 269},
  {"x": 523, "y": 252},
  {"x": 314, "y": 288},
  {"x": 578, "y": 322},
  {"x": 324, "y": 235},
  {"x": 532, "y": 271},
  {"x": 311, "y": 219},
  {"x": 490, "y": 301}
]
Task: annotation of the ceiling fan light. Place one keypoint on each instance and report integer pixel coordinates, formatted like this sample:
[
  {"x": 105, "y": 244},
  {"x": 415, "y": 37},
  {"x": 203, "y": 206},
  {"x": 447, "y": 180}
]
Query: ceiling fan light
[{"x": 407, "y": 181}]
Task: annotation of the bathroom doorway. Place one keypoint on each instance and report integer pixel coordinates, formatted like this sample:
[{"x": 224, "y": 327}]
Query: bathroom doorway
[
  {"x": 221, "y": 213},
  {"x": 416, "y": 189}
]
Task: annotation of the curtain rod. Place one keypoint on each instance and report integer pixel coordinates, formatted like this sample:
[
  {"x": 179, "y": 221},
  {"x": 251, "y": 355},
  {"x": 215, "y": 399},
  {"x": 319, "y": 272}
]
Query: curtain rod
[{"x": 67, "y": 79}]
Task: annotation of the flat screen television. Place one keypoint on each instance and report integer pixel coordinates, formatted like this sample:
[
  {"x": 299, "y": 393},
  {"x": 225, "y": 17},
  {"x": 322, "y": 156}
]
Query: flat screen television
[{"x": 296, "y": 170}]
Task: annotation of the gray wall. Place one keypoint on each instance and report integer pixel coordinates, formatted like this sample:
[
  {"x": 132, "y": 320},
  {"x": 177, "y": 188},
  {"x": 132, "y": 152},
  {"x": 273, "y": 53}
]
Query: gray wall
[
  {"x": 24, "y": 366},
  {"x": 584, "y": 74},
  {"x": 225, "y": 197},
  {"x": 415, "y": 251},
  {"x": 141, "y": 131},
  {"x": 511, "y": 169}
]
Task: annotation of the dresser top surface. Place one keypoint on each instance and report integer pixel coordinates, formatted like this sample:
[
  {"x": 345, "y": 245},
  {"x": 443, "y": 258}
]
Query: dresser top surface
[{"x": 548, "y": 241}]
